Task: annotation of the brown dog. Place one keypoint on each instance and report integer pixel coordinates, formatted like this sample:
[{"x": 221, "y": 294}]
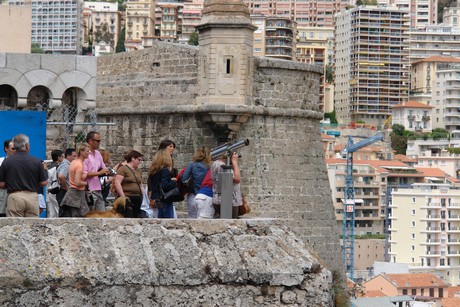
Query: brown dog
[{"x": 119, "y": 207}]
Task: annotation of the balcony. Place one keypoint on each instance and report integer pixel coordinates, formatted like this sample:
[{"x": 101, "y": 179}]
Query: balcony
[
  {"x": 411, "y": 117},
  {"x": 432, "y": 253},
  {"x": 426, "y": 118},
  {"x": 431, "y": 242},
  {"x": 432, "y": 229},
  {"x": 432, "y": 217}
]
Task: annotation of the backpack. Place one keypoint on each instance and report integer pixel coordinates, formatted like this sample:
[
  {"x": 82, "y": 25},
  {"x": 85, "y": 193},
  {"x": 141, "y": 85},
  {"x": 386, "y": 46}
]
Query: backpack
[
  {"x": 185, "y": 187},
  {"x": 53, "y": 185}
]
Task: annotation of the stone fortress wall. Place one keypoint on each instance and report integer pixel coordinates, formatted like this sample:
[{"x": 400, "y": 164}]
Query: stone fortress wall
[
  {"x": 283, "y": 170},
  {"x": 196, "y": 96}
]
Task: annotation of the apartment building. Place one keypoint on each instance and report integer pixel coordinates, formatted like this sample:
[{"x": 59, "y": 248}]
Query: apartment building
[
  {"x": 425, "y": 228},
  {"x": 315, "y": 13},
  {"x": 95, "y": 15},
  {"x": 446, "y": 97},
  {"x": 449, "y": 163},
  {"x": 414, "y": 116},
  {"x": 17, "y": 20},
  {"x": 451, "y": 16},
  {"x": 168, "y": 22},
  {"x": 56, "y": 25},
  {"x": 371, "y": 63},
  {"x": 274, "y": 37},
  {"x": 434, "y": 40},
  {"x": 316, "y": 46},
  {"x": 418, "y": 147},
  {"x": 140, "y": 23},
  {"x": 422, "y": 12},
  {"x": 191, "y": 17}
]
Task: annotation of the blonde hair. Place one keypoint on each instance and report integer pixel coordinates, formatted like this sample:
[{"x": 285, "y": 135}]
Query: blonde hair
[
  {"x": 202, "y": 154},
  {"x": 81, "y": 147},
  {"x": 105, "y": 156},
  {"x": 161, "y": 160}
]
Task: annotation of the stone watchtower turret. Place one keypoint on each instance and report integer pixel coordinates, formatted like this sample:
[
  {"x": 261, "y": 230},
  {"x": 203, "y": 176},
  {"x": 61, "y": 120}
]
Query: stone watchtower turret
[{"x": 226, "y": 42}]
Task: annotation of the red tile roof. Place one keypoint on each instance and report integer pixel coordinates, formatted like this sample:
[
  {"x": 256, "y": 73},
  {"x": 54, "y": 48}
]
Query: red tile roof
[
  {"x": 415, "y": 280},
  {"x": 431, "y": 172},
  {"x": 374, "y": 293},
  {"x": 453, "y": 290},
  {"x": 412, "y": 104},
  {"x": 438, "y": 58},
  {"x": 404, "y": 158},
  {"x": 450, "y": 302}
]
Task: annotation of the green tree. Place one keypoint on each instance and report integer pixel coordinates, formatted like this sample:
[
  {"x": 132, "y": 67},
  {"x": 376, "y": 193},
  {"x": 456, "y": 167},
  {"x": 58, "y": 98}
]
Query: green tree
[
  {"x": 398, "y": 139},
  {"x": 439, "y": 133},
  {"x": 193, "y": 40},
  {"x": 121, "y": 42},
  {"x": 35, "y": 48},
  {"x": 329, "y": 74},
  {"x": 103, "y": 34},
  {"x": 332, "y": 117}
]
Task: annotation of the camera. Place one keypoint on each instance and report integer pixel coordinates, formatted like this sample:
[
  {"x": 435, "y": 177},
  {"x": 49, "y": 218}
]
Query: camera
[{"x": 112, "y": 172}]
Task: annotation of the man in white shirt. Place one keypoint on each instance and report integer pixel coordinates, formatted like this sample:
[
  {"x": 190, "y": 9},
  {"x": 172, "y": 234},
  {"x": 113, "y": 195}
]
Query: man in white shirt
[{"x": 9, "y": 149}]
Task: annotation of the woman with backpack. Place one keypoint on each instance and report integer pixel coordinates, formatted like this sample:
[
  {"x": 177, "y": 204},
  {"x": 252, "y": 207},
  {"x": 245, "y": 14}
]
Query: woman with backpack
[
  {"x": 160, "y": 182},
  {"x": 194, "y": 175}
]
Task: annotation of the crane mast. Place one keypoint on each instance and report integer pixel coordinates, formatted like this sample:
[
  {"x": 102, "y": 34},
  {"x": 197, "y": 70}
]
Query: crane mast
[{"x": 349, "y": 202}]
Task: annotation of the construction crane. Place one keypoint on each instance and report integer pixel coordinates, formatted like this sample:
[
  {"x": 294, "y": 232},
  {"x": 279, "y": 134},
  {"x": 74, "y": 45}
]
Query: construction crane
[{"x": 349, "y": 202}]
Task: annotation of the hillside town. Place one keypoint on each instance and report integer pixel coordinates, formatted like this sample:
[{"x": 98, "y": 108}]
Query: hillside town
[{"x": 389, "y": 92}]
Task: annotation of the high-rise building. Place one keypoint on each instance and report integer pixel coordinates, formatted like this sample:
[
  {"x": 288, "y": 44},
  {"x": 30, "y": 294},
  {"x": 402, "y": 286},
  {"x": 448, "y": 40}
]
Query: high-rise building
[
  {"x": 18, "y": 36},
  {"x": 140, "y": 23},
  {"x": 371, "y": 63},
  {"x": 425, "y": 229},
  {"x": 56, "y": 25},
  {"x": 440, "y": 40},
  {"x": 315, "y": 13},
  {"x": 191, "y": 17},
  {"x": 95, "y": 15},
  {"x": 274, "y": 37},
  {"x": 315, "y": 46},
  {"x": 422, "y": 12},
  {"x": 446, "y": 97}
]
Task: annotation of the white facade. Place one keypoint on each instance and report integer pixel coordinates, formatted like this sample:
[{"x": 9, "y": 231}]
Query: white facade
[
  {"x": 56, "y": 25},
  {"x": 414, "y": 116},
  {"x": 434, "y": 40},
  {"x": 449, "y": 163},
  {"x": 425, "y": 230},
  {"x": 417, "y": 147},
  {"x": 446, "y": 97}
]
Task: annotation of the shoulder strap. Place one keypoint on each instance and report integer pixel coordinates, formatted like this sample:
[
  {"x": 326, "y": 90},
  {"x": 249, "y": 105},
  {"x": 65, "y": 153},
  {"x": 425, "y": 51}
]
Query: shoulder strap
[{"x": 140, "y": 190}]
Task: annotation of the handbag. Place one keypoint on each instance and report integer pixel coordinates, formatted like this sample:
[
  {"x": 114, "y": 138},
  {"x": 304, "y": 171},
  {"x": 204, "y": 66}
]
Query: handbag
[
  {"x": 244, "y": 208},
  {"x": 89, "y": 198},
  {"x": 172, "y": 196}
]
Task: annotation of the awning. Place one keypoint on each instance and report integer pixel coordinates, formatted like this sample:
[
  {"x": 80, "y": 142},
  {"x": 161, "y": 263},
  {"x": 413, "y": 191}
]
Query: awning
[
  {"x": 350, "y": 201},
  {"x": 434, "y": 178}
]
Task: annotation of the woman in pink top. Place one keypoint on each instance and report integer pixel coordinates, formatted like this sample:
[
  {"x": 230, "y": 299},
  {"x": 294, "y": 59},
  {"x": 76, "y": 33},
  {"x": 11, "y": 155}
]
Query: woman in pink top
[{"x": 74, "y": 203}]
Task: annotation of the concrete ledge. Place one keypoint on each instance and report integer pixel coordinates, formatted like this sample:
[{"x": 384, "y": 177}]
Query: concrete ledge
[
  {"x": 152, "y": 262},
  {"x": 213, "y": 108}
]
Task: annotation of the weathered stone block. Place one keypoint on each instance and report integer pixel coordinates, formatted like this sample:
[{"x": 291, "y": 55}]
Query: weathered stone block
[{"x": 97, "y": 262}]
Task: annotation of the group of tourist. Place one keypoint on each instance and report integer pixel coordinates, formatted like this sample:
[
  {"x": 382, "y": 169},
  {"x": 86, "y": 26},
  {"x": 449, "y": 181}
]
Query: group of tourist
[{"x": 81, "y": 179}]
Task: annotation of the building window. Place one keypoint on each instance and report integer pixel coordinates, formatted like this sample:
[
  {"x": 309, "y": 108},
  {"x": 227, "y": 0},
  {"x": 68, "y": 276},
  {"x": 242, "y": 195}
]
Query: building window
[
  {"x": 413, "y": 235},
  {"x": 412, "y": 247},
  {"x": 413, "y": 223},
  {"x": 413, "y": 211},
  {"x": 404, "y": 292},
  {"x": 414, "y": 291}
]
